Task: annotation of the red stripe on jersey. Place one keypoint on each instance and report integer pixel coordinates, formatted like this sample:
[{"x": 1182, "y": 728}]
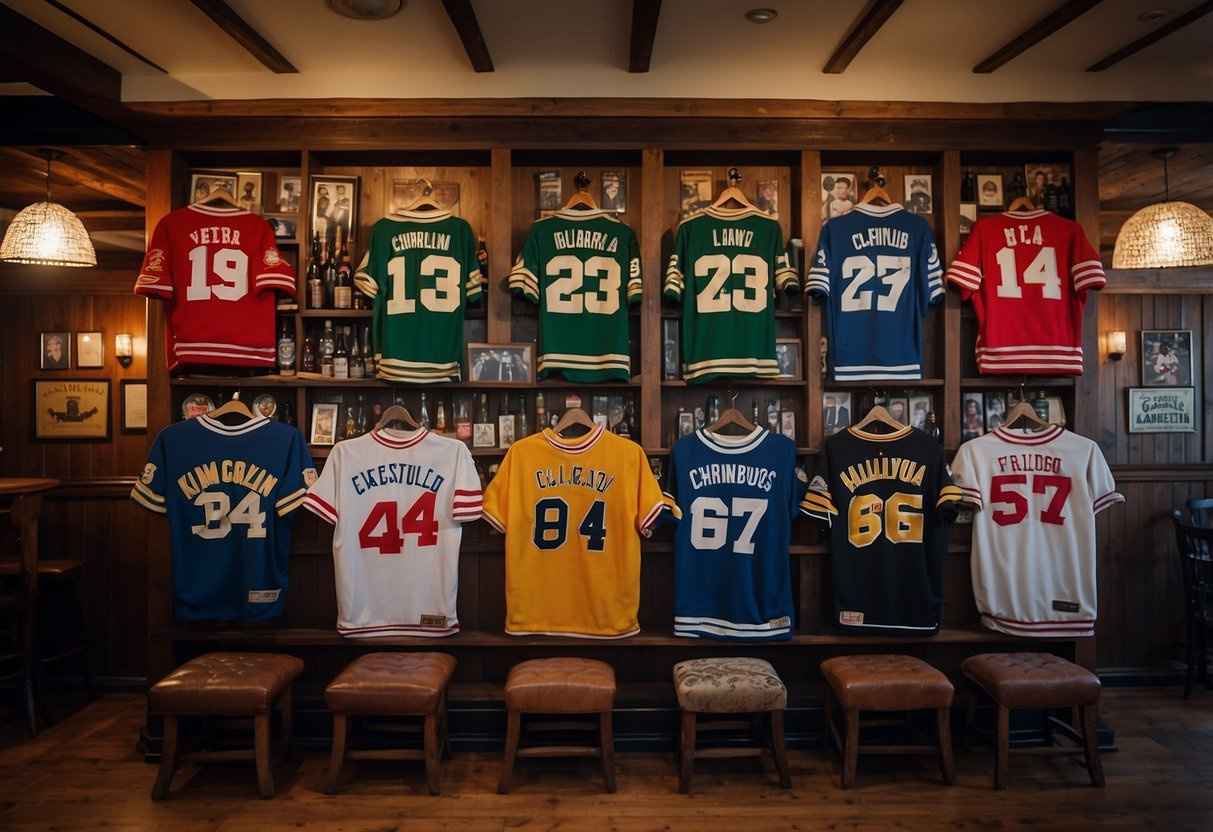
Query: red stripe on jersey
[
  {"x": 398, "y": 444},
  {"x": 319, "y": 507}
]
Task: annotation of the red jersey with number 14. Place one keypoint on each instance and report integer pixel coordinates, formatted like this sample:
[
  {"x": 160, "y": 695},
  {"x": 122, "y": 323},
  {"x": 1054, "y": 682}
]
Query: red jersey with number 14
[
  {"x": 216, "y": 269},
  {"x": 1028, "y": 275}
]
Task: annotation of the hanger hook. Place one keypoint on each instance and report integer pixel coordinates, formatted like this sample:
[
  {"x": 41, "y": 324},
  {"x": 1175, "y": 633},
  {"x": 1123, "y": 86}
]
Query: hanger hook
[
  {"x": 734, "y": 177},
  {"x": 428, "y": 189},
  {"x": 582, "y": 180},
  {"x": 875, "y": 177}
]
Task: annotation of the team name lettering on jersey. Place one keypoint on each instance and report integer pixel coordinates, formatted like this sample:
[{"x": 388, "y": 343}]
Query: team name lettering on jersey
[
  {"x": 730, "y": 474},
  {"x": 584, "y": 238},
  {"x": 252, "y": 477},
  {"x": 396, "y": 473},
  {"x": 883, "y": 468},
  {"x": 741, "y": 237},
  {"x": 1020, "y": 234},
  {"x": 421, "y": 239},
  {"x": 892, "y": 237},
  {"x": 600, "y": 481},
  {"x": 1030, "y": 462},
  {"x": 216, "y": 234}
]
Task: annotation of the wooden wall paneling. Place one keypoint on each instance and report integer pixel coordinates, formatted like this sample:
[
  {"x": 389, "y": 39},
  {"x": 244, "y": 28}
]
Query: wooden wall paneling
[
  {"x": 1086, "y": 213},
  {"x": 653, "y": 201},
  {"x": 1204, "y": 378},
  {"x": 813, "y": 322},
  {"x": 948, "y": 198}
]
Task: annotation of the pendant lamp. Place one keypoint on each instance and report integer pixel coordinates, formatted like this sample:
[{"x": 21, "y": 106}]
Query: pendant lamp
[
  {"x": 1165, "y": 234},
  {"x": 46, "y": 233}
]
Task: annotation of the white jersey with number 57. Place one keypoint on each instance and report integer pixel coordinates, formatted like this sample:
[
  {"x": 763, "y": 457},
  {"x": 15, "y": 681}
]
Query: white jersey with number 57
[{"x": 397, "y": 502}]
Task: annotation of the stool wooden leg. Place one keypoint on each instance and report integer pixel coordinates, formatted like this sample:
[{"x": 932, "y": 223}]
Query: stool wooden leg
[
  {"x": 169, "y": 754},
  {"x": 444, "y": 728},
  {"x": 285, "y": 704},
  {"x": 827, "y": 728},
  {"x": 943, "y": 718},
  {"x": 779, "y": 750},
  {"x": 432, "y": 752},
  {"x": 263, "y": 754},
  {"x": 513, "y": 728},
  {"x": 970, "y": 715},
  {"x": 850, "y": 750},
  {"x": 1002, "y": 746},
  {"x": 337, "y": 758},
  {"x": 607, "y": 739},
  {"x": 1090, "y": 744},
  {"x": 686, "y": 752}
]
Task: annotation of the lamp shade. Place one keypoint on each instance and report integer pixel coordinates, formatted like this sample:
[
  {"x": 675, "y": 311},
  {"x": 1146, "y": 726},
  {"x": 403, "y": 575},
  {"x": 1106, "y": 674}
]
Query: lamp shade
[
  {"x": 47, "y": 234},
  {"x": 1163, "y": 235}
]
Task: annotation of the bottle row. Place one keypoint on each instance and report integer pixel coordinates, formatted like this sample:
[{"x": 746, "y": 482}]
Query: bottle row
[{"x": 334, "y": 352}]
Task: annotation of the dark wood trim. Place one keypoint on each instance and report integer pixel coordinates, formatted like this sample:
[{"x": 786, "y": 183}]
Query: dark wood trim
[
  {"x": 1155, "y": 36},
  {"x": 645, "y": 14},
  {"x": 874, "y": 16},
  {"x": 463, "y": 18},
  {"x": 74, "y": 168},
  {"x": 93, "y": 488},
  {"x": 236, "y": 28},
  {"x": 1193, "y": 280},
  {"x": 1034, "y": 34},
  {"x": 1163, "y": 473},
  {"x": 114, "y": 275}
]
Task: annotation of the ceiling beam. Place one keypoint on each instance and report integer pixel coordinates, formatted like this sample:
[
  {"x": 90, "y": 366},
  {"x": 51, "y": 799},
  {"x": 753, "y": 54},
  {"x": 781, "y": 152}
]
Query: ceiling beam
[
  {"x": 1038, "y": 31},
  {"x": 235, "y": 27},
  {"x": 84, "y": 21},
  {"x": 645, "y": 14},
  {"x": 463, "y": 18},
  {"x": 1155, "y": 36},
  {"x": 874, "y": 16}
]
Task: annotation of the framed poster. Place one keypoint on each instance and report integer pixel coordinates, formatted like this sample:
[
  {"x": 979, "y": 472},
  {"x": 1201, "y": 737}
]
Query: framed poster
[
  {"x": 1155, "y": 410},
  {"x": 973, "y": 416},
  {"x": 614, "y": 191},
  {"x": 134, "y": 405},
  {"x": 694, "y": 191},
  {"x": 508, "y": 363},
  {"x": 1166, "y": 357},
  {"x": 1040, "y": 175},
  {"x": 72, "y": 409},
  {"x": 835, "y": 411},
  {"x": 289, "y": 188},
  {"x": 334, "y": 208}
]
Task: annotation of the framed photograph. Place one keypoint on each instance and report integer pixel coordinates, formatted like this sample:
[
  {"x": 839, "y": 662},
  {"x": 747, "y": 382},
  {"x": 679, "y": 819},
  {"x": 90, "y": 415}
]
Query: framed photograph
[
  {"x": 134, "y": 405},
  {"x": 1040, "y": 175},
  {"x": 787, "y": 356},
  {"x": 484, "y": 435},
  {"x": 289, "y": 188},
  {"x": 899, "y": 409},
  {"x": 1057, "y": 411},
  {"x": 72, "y": 409},
  {"x": 767, "y": 199},
  {"x": 919, "y": 196},
  {"x": 202, "y": 182},
  {"x": 1166, "y": 357},
  {"x": 56, "y": 350},
  {"x": 334, "y": 209},
  {"x": 324, "y": 423},
  {"x": 920, "y": 406},
  {"x": 505, "y": 429},
  {"x": 248, "y": 191},
  {"x": 614, "y": 191},
  {"x": 90, "y": 352},
  {"x": 670, "y": 367},
  {"x": 694, "y": 191},
  {"x": 787, "y": 424},
  {"x": 968, "y": 216},
  {"x": 283, "y": 225},
  {"x": 989, "y": 190},
  {"x": 509, "y": 363},
  {"x": 407, "y": 191},
  {"x": 686, "y": 423},
  {"x": 835, "y": 411},
  {"x": 996, "y": 410},
  {"x": 837, "y": 194},
  {"x": 599, "y": 410},
  {"x": 1152, "y": 410},
  {"x": 972, "y": 416},
  {"x": 549, "y": 190}
]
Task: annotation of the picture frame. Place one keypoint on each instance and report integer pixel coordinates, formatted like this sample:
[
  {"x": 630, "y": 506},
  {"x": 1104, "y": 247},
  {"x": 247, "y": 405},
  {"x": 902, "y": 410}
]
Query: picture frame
[
  {"x": 695, "y": 188},
  {"x": 1038, "y": 175},
  {"x": 484, "y": 435},
  {"x": 787, "y": 424},
  {"x": 835, "y": 411},
  {"x": 920, "y": 195},
  {"x": 90, "y": 350},
  {"x": 324, "y": 423},
  {"x": 972, "y": 416},
  {"x": 899, "y": 409},
  {"x": 787, "y": 357},
  {"x": 71, "y": 409},
  {"x": 284, "y": 225},
  {"x": 134, "y": 405},
  {"x": 1057, "y": 411},
  {"x": 968, "y": 216},
  {"x": 766, "y": 197},
  {"x": 996, "y": 410},
  {"x": 248, "y": 191},
  {"x": 202, "y": 182},
  {"x": 444, "y": 194},
  {"x": 670, "y": 367},
  {"x": 920, "y": 406},
  {"x": 837, "y": 194},
  {"x": 506, "y": 426},
  {"x": 289, "y": 188},
  {"x": 614, "y": 191},
  {"x": 1162, "y": 410},
  {"x": 55, "y": 350},
  {"x": 1166, "y": 357},
  {"x": 686, "y": 423},
  {"x": 510, "y": 364},
  {"x": 549, "y": 190},
  {"x": 989, "y": 190},
  {"x": 334, "y": 207}
]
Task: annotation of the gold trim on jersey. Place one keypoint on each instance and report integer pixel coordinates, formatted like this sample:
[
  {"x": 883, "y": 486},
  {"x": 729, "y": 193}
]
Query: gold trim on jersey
[
  {"x": 761, "y": 367},
  {"x": 949, "y": 494}
]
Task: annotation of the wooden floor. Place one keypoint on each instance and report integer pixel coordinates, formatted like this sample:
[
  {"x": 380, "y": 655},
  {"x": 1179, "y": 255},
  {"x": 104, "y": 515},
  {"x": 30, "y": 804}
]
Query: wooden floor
[{"x": 85, "y": 773}]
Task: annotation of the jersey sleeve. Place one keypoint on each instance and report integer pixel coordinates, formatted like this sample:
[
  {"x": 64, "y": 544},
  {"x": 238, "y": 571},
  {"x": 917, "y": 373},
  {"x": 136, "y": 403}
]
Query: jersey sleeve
[
  {"x": 931, "y": 270},
  {"x": 635, "y": 285},
  {"x": 673, "y": 285},
  {"x": 651, "y": 502},
  {"x": 472, "y": 288},
  {"x": 817, "y": 281},
  {"x": 949, "y": 495},
  {"x": 786, "y": 279},
  {"x": 817, "y": 501},
  {"x": 321, "y": 497},
  {"x": 300, "y": 475},
  {"x": 270, "y": 272},
  {"x": 364, "y": 277},
  {"x": 496, "y": 504},
  {"x": 965, "y": 270},
  {"x": 1099, "y": 479},
  {"x": 468, "y": 502},
  {"x": 523, "y": 279},
  {"x": 1087, "y": 271},
  {"x": 155, "y": 275},
  {"x": 965, "y": 474},
  {"x": 150, "y": 487}
]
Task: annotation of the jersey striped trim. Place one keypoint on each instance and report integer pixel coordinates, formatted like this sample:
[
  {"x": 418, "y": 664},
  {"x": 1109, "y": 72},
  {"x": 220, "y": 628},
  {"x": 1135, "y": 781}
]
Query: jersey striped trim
[
  {"x": 578, "y": 445},
  {"x": 1047, "y": 359},
  {"x": 1018, "y": 437},
  {"x": 972, "y": 496},
  {"x": 588, "y": 363},
  {"x": 900, "y": 628},
  {"x": 290, "y": 502},
  {"x": 740, "y": 444},
  {"x": 703, "y": 370},
  {"x": 650, "y": 518},
  {"x": 1088, "y": 274},
  {"x": 282, "y": 281},
  {"x": 217, "y": 210},
  {"x": 1025, "y": 215},
  {"x": 817, "y": 282},
  {"x": 146, "y": 284},
  {"x": 398, "y": 440},
  {"x": 635, "y": 290},
  {"x": 419, "y": 216},
  {"x": 206, "y": 352},
  {"x": 150, "y": 500},
  {"x": 1040, "y": 629},
  {"x": 473, "y": 287},
  {"x": 1107, "y": 501},
  {"x": 398, "y": 630},
  {"x": 696, "y": 626},
  {"x": 248, "y": 426},
  {"x": 363, "y": 281},
  {"x": 673, "y": 286},
  {"x": 964, "y": 275},
  {"x": 580, "y": 214},
  {"x": 874, "y": 372},
  {"x": 880, "y": 437},
  {"x": 467, "y": 505},
  {"x": 949, "y": 494},
  {"x": 786, "y": 279},
  {"x": 572, "y": 634},
  {"x": 394, "y": 369},
  {"x": 522, "y": 281},
  {"x": 320, "y": 508},
  {"x": 494, "y": 521},
  {"x": 819, "y": 506},
  {"x": 670, "y": 505}
]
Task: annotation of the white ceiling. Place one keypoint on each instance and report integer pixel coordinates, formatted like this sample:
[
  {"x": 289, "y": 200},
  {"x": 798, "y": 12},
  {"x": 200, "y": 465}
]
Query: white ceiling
[{"x": 703, "y": 49}]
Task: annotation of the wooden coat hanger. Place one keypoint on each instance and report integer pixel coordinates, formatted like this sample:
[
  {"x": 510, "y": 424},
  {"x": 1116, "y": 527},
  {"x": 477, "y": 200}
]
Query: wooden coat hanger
[
  {"x": 220, "y": 196},
  {"x": 1026, "y": 412},
  {"x": 1023, "y": 203},
  {"x": 573, "y": 417},
  {"x": 424, "y": 201},
  {"x": 876, "y": 189},
  {"x": 878, "y": 415},
  {"x": 233, "y": 407},
  {"x": 582, "y": 198},
  {"x": 732, "y": 193},
  {"x": 732, "y": 416},
  {"x": 397, "y": 413}
]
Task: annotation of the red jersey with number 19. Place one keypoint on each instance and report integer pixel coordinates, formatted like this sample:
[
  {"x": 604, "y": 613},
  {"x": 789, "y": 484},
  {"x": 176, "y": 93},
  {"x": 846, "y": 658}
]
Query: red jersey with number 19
[
  {"x": 216, "y": 269},
  {"x": 1028, "y": 275}
]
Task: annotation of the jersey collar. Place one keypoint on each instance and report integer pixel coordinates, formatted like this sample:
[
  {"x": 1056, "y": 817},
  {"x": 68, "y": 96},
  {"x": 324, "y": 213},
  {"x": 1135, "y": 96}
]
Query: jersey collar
[
  {"x": 722, "y": 213},
  {"x": 877, "y": 210},
  {"x": 217, "y": 210},
  {"x": 725, "y": 444},
  {"x": 582, "y": 214},
  {"x": 880, "y": 437},
  {"x": 419, "y": 216},
  {"x": 1017, "y": 436},
  {"x": 215, "y": 426},
  {"x": 576, "y": 445},
  {"x": 398, "y": 439},
  {"x": 1025, "y": 215}
]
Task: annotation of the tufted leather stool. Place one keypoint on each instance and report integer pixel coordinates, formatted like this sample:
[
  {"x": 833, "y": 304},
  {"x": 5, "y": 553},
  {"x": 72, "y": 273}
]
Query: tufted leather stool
[
  {"x": 559, "y": 686},
  {"x": 886, "y": 683},
  {"x": 729, "y": 686},
  {"x": 391, "y": 684},
  {"x": 225, "y": 684},
  {"x": 1036, "y": 680}
]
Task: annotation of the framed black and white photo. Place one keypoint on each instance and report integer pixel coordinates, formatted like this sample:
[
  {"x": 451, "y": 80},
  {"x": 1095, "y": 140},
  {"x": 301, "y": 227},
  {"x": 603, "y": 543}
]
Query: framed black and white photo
[
  {"x": 694, "y": 191},
  {"x": 248, "y": 191},
  {"x": 835, "y": 411},
  {"x": 334, "y": 210},
  {"x": 767, "y": 200},
  {"x": 1039, "y": 175},
  {"x": 202, "y": 182},
  {"x": 899, "y": 409},
  {"x": 501, "y": 363},
  {"x": 484, "y": 435},
  {"x": 996, "y": 410},
  {"x": 549, "y": 190},
  {"x": 324, "y": 423},
  {"x": 1156, "y": 410},
  {"x": 289, "y": 188},
  {"x": 972, "y": 416},
  {"x": 56, "y": 351},
  {"x": 787, "y": 356},
  {"x": 283, "y": 225},
  {"x": 686, "y": 423},
  {"x": 1166, "y": 357},
  {"x": 837, "y": 194},
  {"x": 920, "y": 406},
  {"x": 919, "y": 196},
  {"x": 614, "y": 191},
  {"x": 989, "y": 190},
  {"x": 90, "y": 352},
  {"x": 670, "y": 368}
]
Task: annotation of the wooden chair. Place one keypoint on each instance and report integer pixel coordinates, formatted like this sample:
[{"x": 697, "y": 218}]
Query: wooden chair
[
  {"x": 1196, "y": 561},
  {"x": 1200, "y": 511},
  {"x": 18, "y": 609}
]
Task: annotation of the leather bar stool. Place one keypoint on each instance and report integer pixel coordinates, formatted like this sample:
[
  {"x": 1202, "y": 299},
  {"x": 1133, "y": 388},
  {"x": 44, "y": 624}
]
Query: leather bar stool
[
  {"x": 61, "y": 631},
  {"x": 559, "y": 686}
]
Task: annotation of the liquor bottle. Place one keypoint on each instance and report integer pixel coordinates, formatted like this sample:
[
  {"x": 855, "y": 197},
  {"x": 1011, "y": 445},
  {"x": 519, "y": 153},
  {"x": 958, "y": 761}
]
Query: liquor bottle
[
  {"x": 343, "y": 287},
  {"x": 328, "y": 274},
  {"x": 315, "y": 285},
  {"x": 360, "y": 415},
  {"x": 286, "y": 349},
  {"x": 440, "y": 417},
  {"x": 932, "y": 428},
  {"x": 1065, "y": 199},
  {"x": 1050, "y": 198},
  {"x": 522, "y": 426},
  {"x": 1041, "y": 405},
  {"x": 357, "y": 367},
  {"x": 309, "y": 353},
  {"x": 351, "y": 426},
  {"x": 376, "y": 415},
  {"x": 1018, "y": 186},
  {"x": 541, "y": 413},
  {"x": 713, "y": 409},
  {"x": 424, "y": 419},
  {"x": 341, "y": 356},
  {"x": 463, "y": 423},
  {"x": 368, "y": 354},
  {"x": 328, "y": 345},
  {"x": 287, "y": 413},
  {"x": 968, "y": 187},
  {"x": 482, "y": 255},
  {"x": 754, "y": 411},
  {"x": 482, "y": 409},
  {"x": 627, "y": 423}
]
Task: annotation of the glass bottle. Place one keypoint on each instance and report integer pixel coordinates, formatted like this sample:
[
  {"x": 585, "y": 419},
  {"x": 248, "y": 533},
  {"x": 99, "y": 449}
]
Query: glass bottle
[
  {"x": 309, "y": 353},
  {"x": 343, "y": 285},
  {"x": 1050, "y": 198},
  {"x": 341, "y": 355},
  {"x": 932, "y": 427},
  {"x": 360, "y": 415},
  {"x": 328, "y": 345},
  {"x": 357, "y": 367},
  {"x": 713, "y": 409},
  {"x": 482, "y": 256},
  {"x": 315, "y": 285},
  {"x": 424, "y": 419},
  {"x": 522, "y": 426},
  {"x": 482, "y": 409},
  {"x": 351, "y": 426},
  {"x": 370, "y": 367},
  {"x": 968, "y": 187},
  {"x": 754, "y": 411},
  {"x": 1065, "y": 199},
  {"x": 440, "y": 417},
  {"x": 541, "y": 413},
  {"x": 328, "y": 275},
  {"x": 1041, "y": 405},
  {"x": 286, "y": 349}
]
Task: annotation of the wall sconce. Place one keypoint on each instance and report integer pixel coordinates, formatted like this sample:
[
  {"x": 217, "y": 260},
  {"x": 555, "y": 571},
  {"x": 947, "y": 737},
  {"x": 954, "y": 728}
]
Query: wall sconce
[
  {"x": 124, "y": 349},
  {"x": 1117, "y": 344}
]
